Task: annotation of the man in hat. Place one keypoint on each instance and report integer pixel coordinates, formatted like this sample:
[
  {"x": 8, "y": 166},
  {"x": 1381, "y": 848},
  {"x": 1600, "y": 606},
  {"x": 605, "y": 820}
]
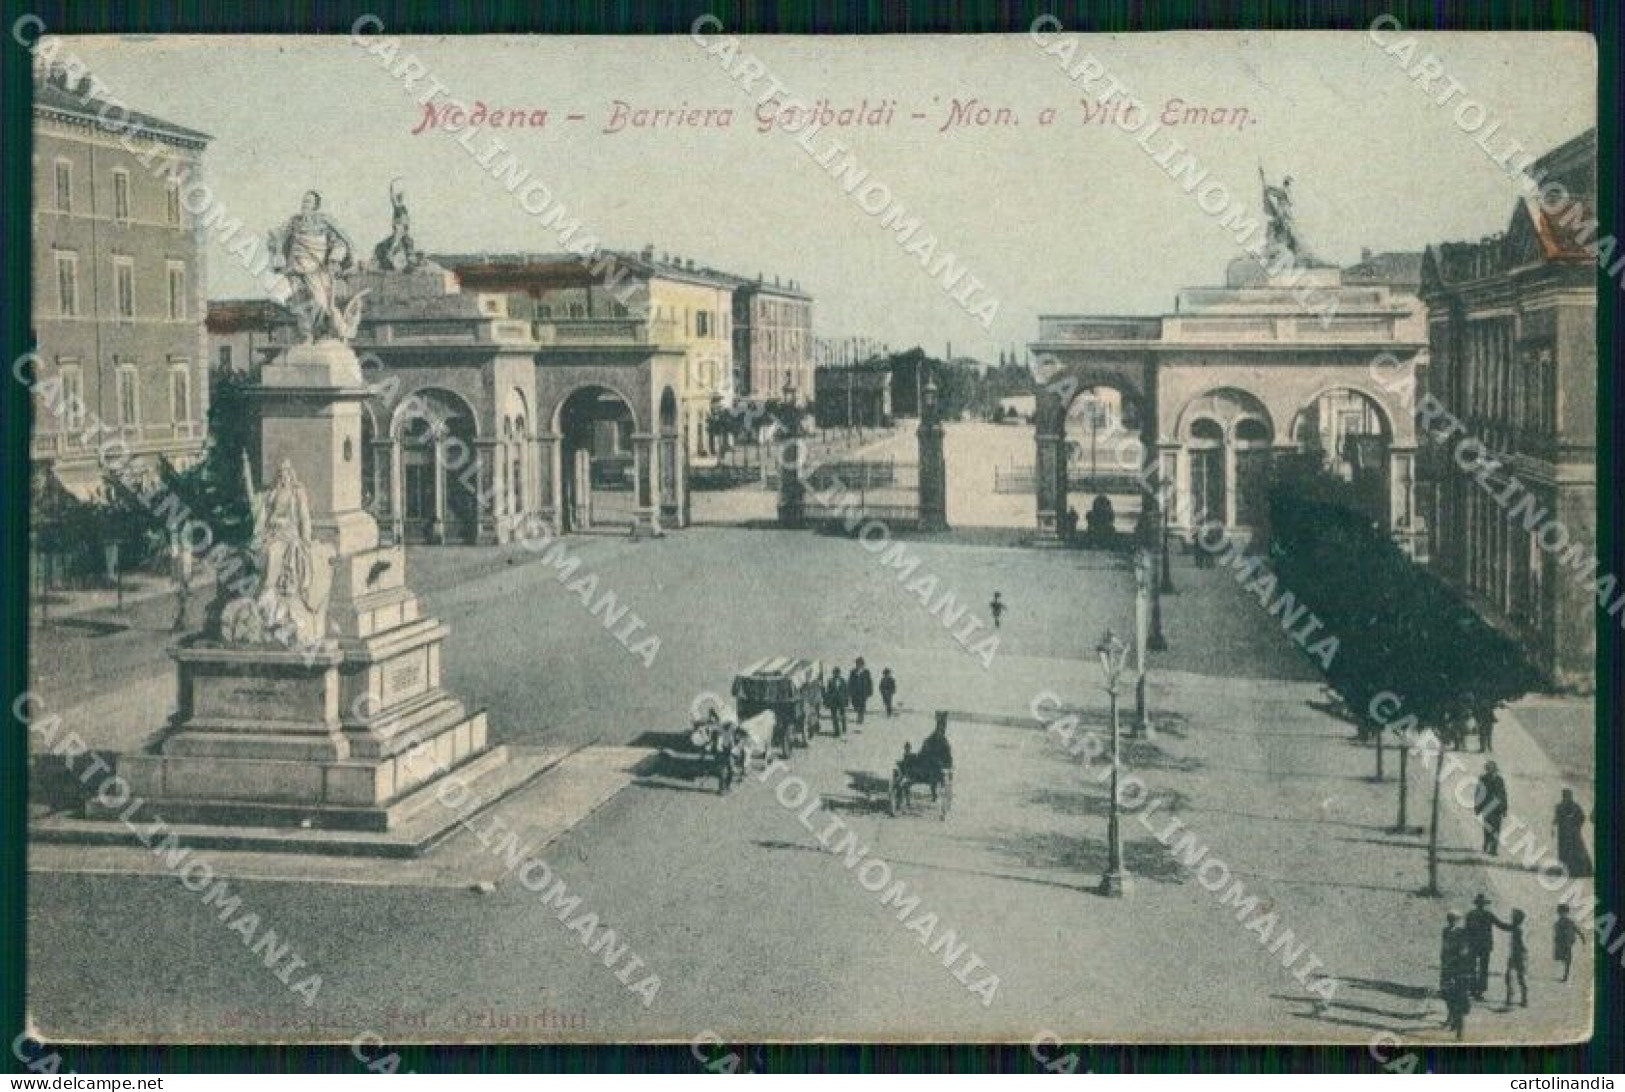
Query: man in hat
[
  {"x": 888, "y": 689},
  {"x": 1479, "y": 930},
  {"x": 860, "y": 684},
  {"x": 1490, "y": 801},
  {"x": 835, "y": 696},
  {"x": 1453, "y": 972}
]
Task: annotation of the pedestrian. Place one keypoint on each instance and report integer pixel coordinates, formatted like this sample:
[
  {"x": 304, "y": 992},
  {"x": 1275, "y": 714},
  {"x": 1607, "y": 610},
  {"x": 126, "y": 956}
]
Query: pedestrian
[
  {"x": 1490, "y": 801},
  {"x": 1570, "y": 821},
  {"x": 888, "y": 689},
  {"x": 1479, "y": 930},
  {"x": 835, "y": 698},
  {"x": 1517, "y": 961},
  {"x": 1565, "y": 934},
  {"x": 860, "y": 684},
  {"x": 1484, "y": 717},
  {"x": 996, "y": 608},
  {"x": 1453, "y": 974}
]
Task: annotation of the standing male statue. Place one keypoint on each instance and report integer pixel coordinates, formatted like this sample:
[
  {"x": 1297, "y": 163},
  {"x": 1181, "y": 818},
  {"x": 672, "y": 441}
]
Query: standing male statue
[{"x": 307, "y": 250}]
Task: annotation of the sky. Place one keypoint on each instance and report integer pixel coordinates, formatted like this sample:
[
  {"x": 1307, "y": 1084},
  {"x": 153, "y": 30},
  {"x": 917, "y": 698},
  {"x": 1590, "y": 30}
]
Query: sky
[{"x": 1061, "y": 218}]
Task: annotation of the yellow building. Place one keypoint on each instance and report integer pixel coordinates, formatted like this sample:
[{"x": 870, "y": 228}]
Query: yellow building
[{"x": 688, "y": 307}]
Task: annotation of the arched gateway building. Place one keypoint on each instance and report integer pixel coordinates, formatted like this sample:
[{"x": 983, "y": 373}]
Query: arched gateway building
[{"x": 1314, "y": 362}]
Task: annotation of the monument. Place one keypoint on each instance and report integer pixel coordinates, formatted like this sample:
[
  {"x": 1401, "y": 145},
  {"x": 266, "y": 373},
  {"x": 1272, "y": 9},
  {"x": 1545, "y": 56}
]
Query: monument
[{"x": 316, "y": 704}]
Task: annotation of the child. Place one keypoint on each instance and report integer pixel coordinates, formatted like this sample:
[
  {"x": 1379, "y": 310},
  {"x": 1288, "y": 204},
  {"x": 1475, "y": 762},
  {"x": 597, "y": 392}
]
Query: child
[
  {"x": 1564, "y": 936},
  {"x": 1517, "y": 961},
  {"x": 888, "y": 689}
]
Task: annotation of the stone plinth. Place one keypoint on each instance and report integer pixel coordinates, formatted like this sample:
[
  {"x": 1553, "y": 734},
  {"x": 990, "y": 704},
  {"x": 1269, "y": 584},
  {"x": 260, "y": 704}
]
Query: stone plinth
[{"x": 351, "y": 729}]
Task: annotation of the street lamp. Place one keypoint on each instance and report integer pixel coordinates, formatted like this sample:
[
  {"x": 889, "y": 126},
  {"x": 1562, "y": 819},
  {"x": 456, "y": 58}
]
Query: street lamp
[{"x": 1113, "y": 654}]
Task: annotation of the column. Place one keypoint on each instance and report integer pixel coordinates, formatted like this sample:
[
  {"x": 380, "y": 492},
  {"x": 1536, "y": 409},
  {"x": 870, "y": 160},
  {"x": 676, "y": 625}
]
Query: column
[
  {"x": 1049, "y": 466},
  {"x": 437, "y": 481},
  {"x": 386, "y": 490},
  {"x": 488, "y": 494},
  {"x": 933, "y": 468},
  {"x": 581, "y": 494},
  {"x": 546, "y": 478},
  {"x": 671, "y": 506},
  {"x": 644, "y": 464},
  {"x": 1228, "y": 451}
]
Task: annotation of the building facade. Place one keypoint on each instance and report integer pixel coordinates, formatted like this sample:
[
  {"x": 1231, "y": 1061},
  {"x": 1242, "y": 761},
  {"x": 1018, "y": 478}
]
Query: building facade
[
  {"x": 1512, "y": 328},
  {"x": 772, "y": 334},
  {"x": 118, "y": 306},
  {"x": 683, "y": 306},
  {"x": 852, "y": 397}
]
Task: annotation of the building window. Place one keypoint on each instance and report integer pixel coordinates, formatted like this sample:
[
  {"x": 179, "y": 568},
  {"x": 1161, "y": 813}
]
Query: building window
[
  {"x": 67, "y": 284},
  {"x": 124, "y": 286},
  {"x": 64, "y": 185},
  {"x": 225, "y": 357},
  {"x": 180, "y": 392},
  {"x": 702, "y": 323},
  {"x": 129, "y": 396},
  {"x": 73, "y": 395},
  {"x": 177, "y": 290},
  {"x": 121, "y": 195},
  {"x": 172, "y": 210}
]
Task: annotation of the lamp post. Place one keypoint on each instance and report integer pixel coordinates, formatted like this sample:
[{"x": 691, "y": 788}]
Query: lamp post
[{"x": 1113, "y": 653}]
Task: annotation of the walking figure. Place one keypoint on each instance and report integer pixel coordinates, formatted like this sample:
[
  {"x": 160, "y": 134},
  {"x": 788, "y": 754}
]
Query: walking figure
[
  {"x": 997, "y": 609},
  {"x": 1565, "y": 934},
  {"x": 835, "y": 698},
  {"x": 860, "y": 684},
  {"x": 1517, "y": 962},
  {"x": 888, "y": 689},
  {"x": 1453, "y": 974},
  {"x": 1479, "y": 930},
  {"x": 1490, "y": 800},
  {"x": 1570, "y": 821}
]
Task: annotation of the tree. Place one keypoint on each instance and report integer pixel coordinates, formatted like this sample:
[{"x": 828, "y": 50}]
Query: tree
[{"x": 1413, "y": 655}]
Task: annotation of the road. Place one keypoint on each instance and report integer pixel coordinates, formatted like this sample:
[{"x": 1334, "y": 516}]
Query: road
[{"x": 754, "y": 930}]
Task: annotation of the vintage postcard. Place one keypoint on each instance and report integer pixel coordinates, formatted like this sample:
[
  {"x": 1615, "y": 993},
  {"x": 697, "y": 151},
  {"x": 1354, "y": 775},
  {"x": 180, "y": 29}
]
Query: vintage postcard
[{"x": 1035, "y": 538}]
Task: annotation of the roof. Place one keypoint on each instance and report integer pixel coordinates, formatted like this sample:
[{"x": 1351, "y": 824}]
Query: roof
[
  {"x": 54, "y": 96},
  {"x": 230, "y": 316},
  {"x": 570, "y": 267},
  {"x": 1567, "y": 232},
  {"x": 1396, "y": 268}
]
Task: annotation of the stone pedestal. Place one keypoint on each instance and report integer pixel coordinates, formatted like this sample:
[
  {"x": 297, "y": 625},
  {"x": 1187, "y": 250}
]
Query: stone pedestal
[
  {"x": 933, "y": 467},
  {"x": 350, "y": 728}
]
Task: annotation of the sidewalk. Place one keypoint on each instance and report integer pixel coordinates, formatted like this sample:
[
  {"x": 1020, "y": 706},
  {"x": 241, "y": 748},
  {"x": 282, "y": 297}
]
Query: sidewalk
[{"x": 138, "y": 588}]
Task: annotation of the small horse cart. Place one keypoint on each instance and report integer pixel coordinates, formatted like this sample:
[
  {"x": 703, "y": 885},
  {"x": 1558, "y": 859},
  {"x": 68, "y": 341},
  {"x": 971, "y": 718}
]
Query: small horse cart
[
  {"x": 931, "y": 767},
  {"x": 791, "y": 689}
]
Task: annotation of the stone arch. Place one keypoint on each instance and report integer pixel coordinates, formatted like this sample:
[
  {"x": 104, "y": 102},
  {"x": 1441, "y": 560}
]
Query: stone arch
[
  {"x": 436, "y": 433},
  {"x": 1350, "y": 433},
  {"x": 672, "y": 455},
  {"x": 1062, "y": 390},
  {"x": 597, "y": 427},
  {"x": 1226, "y": 434}
]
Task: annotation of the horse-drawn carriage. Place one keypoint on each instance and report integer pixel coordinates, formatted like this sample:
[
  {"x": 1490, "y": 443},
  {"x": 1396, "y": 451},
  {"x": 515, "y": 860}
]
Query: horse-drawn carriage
[
  {"x": 791, "y": 689},
  {"x": 931, "y": 767}
]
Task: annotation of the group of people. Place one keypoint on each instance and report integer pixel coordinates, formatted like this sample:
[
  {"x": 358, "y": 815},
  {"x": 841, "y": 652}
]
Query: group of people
[
  {"x": 854, "y": 691},
  {"x": 1491, "y": 802},
  {"x": 1468, "y": 945}
]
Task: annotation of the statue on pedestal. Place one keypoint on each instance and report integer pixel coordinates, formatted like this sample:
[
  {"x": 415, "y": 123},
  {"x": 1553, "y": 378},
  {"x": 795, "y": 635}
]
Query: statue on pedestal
[
  {"x": 291, "y": 606},
  {"x": 1281, "y": 229},
  {"x": 398, "y": 253},
  {"x": 307, "y": 250}
]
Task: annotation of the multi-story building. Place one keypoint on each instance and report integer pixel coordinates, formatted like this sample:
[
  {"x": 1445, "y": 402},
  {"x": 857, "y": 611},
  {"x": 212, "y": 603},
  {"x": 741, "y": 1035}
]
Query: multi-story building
[
  {"x": 1512, "y": 327},
  {"x": 117, "y": 289},
  {"x": 687, "y": 307},
  {"x": 772, "y": 334}
]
